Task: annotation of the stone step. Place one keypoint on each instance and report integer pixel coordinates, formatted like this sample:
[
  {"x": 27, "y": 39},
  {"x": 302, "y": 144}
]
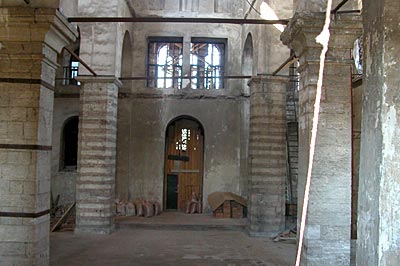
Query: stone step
[{"x": 181, "y": 227}]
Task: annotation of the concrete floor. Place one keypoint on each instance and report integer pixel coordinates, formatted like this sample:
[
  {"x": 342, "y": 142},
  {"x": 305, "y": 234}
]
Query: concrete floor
[{"x": 129, "y": 246}]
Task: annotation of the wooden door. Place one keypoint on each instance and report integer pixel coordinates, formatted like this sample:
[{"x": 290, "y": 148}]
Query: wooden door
[{"x": 184, "y": 158}]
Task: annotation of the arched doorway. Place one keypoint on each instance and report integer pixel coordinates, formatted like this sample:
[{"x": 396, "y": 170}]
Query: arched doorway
[
  {"x": 184, "y": 154},
  {"x": 69, "y": 144}
]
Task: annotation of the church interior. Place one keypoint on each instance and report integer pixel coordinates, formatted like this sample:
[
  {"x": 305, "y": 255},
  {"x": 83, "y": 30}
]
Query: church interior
[{"x": 153, "y": 129}]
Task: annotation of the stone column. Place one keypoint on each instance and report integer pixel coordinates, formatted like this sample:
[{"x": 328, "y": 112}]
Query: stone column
[
  {"x": 95, "y": 188},
  {"x": 29, "y": 42},
  {"x": 327, "y": 237},
  {"x": 379, "y": 188},
  {"x": 267, "y": 150}
]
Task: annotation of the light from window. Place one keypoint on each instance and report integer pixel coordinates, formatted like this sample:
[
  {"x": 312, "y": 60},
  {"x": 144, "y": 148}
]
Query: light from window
[
  {"x": 74, "y": 71},
  {"x": 207, "y": 65},
  {"x": 165, "y": 64},
  {"x": 183, "y": 140},
  {"x": 70, "y": 73}
]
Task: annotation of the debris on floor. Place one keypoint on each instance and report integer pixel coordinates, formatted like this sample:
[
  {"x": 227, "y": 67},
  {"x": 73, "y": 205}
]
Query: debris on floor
[
  {"x": 228, "y": 205},
  {"x": 63, "y": 219},
  {"x": 289, "y": 234},
  {"x": 141, "y": 208}
]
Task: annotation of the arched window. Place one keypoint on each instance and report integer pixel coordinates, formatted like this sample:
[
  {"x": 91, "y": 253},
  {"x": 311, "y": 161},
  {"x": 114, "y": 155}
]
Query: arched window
[
  {"x": 70, "y": 144},
  {"x": 71, "y": 71},
  {"x": 207, "y": 63},
  {"x": 165, "y": 62}
]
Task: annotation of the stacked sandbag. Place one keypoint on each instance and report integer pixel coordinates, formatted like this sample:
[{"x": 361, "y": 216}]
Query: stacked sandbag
[
  {"x": 193, "y": 205},
  {"x": 148, "y": 209},
  {"x": 139, "y": 207},
  {"x": 130, "y": 209},
  {"x": 120, "y": 207},
  {"x": 157, "y": 208}
]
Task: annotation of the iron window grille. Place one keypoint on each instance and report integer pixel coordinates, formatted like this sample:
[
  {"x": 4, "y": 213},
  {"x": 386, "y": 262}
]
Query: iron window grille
[
  {"x": 207, "y": 63},
  {"x": 165, "y": 58}
]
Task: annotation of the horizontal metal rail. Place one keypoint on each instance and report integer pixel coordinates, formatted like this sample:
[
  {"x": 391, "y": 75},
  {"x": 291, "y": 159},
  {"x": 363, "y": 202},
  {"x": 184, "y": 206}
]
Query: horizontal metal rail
[
  {"x": 185, "y": 77},
  {"x": 288, "y": 62},
  {"x": 177, "y": 20},
  {"x": 74, "y": 55}
]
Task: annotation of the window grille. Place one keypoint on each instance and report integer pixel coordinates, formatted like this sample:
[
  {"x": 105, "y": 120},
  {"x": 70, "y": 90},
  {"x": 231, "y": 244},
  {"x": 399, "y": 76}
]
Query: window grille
[{"x": 165, "y": 63}]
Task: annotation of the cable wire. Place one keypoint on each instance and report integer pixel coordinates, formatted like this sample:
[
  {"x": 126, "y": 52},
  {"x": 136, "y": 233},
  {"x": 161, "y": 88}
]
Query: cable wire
[{"x": 252, "y": 7}]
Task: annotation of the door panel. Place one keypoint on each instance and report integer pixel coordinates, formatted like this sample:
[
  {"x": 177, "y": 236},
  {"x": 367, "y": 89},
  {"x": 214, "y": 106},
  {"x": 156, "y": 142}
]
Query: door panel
[
  {"x": 184, "y": 158},
  {"x": 172, "y": 192}
]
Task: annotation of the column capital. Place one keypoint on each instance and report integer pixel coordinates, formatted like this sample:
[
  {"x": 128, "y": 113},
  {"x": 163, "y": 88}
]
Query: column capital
[
  {"x": 301, "y": 31},
  {"x": 100, "y": 79}
]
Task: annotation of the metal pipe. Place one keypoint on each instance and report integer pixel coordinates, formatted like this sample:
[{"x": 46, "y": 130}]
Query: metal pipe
[
  {"x": 288, "y": 61},
  {"x": 184, "y": 77},
  {"x": 349, "y": 11},
  {"x": 80, "y": 60},
  {"x": 339, "y": 6},
  {"x": 177, "y": 20}
]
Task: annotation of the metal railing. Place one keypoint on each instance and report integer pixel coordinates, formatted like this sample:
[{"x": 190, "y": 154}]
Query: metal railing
[{"x": 69, "y": 74}]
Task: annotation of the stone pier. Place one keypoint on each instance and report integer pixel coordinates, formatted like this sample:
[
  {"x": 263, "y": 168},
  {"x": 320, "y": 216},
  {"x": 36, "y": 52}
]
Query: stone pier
[
  {"x": 95, "y": 186},
  {"x": 379, "y": 188},
  {"x": 30, "y": 39},
  {"x": 327, "y": 237},
  {"x": 267, "y": 150}
]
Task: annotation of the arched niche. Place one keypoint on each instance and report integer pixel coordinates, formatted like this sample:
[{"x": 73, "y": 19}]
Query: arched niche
[
  {"x": 126, "y": 60},
  {"x": 247, "y": 61}
]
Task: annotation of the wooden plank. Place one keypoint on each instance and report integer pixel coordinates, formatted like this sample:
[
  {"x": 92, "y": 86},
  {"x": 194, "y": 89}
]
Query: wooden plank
[
  {"x": 178, "y": 158},
  {"x": 195, "y": 171},
  {"x": 64, "y": 217}
]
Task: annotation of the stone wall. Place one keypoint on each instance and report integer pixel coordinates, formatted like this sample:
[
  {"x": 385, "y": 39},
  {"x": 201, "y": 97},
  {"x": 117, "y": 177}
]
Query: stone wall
[
  {"x": 62, "y": 180},
  {"x": 267, "y": 154},
  {"x": 142, "y": 123},
  {"x": 379, "y": 198},
  {"x": 202, "y": 8},
  {"x": 95, "y": 186},
  {"x": 30, "y": 38}
]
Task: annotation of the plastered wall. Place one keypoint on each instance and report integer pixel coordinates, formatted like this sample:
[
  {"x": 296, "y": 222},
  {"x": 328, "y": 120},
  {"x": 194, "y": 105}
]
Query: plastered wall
[{"x": 142, "y": 125}]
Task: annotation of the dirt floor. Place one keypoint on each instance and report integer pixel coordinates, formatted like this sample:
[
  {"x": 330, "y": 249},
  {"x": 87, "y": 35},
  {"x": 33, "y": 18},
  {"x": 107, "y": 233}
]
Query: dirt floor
[{"x": 142, "y": 246}]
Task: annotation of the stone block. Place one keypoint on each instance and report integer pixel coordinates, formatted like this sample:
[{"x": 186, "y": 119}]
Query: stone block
[{"x": 16, "y": 187}]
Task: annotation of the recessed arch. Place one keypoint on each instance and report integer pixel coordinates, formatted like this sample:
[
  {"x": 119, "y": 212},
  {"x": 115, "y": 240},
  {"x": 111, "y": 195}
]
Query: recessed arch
[
  {"x": 247, "y": 57},
  {"x": 184, "y": 156},
  {"x": 247, "y": 61},
  {"x": 69, "y": 144},
  {"x": 127, "y": 56}
]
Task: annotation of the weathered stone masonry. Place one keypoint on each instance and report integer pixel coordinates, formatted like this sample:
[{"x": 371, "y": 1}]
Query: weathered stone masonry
[
  {"x": 30, "y": 40},
  {"x": 327, "y": 238},
  {"x": 267, "y": 150},
  {"x": 95, "y": 186},
  {"x": 379, "y": 188}
]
